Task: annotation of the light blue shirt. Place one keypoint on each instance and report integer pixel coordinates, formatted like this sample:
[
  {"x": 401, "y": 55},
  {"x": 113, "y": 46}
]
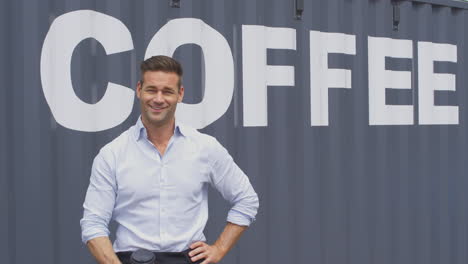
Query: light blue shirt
[{"x": 160, "y": 203}]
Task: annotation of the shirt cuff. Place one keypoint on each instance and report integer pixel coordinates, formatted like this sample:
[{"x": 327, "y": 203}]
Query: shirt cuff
[
  {"x": 239, "y": 218},
  {"x": 92, "y": 229},
  {"x": 86, "y": 238}
]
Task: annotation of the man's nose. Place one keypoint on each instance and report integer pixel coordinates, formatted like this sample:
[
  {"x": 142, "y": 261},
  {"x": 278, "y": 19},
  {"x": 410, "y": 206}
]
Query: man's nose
[{"x": 158, "y": 98}]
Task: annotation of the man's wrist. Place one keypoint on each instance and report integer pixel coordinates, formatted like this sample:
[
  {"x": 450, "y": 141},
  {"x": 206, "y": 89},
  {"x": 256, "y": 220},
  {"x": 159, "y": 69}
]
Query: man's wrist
[{"x": 222, "y": 250}]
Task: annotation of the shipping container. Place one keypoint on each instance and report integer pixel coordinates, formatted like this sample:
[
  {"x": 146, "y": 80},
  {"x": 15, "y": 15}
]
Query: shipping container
[{"x": 349, "y": 117}]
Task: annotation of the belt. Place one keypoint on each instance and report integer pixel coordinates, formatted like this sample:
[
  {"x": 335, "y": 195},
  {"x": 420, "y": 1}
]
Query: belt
[{"x": 162, "y": 257}]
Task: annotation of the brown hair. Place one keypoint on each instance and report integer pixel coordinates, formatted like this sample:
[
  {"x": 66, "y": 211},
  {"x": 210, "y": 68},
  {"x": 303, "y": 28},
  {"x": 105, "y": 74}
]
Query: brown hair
[{"x": 161, "y": 63}]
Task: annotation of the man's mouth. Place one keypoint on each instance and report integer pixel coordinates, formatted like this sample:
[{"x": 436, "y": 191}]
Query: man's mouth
[{"x": 157, "y": 108}]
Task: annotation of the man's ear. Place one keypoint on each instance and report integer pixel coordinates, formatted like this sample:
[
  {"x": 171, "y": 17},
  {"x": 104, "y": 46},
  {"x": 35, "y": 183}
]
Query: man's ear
[
  {"x": 138, "y": 89},
  {"x": 181, "y": 94}
]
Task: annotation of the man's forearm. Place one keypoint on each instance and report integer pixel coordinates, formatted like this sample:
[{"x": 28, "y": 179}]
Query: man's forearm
[
  {"x": 101, "y": 249},
  {"x": 229, "y": 237}
]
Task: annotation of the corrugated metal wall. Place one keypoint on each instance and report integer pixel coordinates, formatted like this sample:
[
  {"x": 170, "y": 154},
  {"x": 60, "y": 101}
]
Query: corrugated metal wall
[{"x": 348, "y": 192}]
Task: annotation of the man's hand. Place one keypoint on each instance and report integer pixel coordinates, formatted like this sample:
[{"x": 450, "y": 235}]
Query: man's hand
[
  {"x": 210, "y": 253},
  {"x": 214, "y": 253}
]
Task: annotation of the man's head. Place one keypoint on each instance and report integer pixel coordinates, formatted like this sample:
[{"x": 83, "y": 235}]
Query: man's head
[
  {"x": 162, "y": 63},
  {"x": 159, "y": 90}
]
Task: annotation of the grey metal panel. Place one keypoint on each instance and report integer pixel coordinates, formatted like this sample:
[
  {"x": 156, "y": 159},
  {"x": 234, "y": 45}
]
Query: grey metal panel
[
  {"x": 452, "y": 3},
  {"x": 346, "y": 193},
  {"x": 6, "y": 201}
]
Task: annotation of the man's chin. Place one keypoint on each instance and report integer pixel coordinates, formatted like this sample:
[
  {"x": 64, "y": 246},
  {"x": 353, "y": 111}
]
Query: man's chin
[{"x": 157, "y": 120}]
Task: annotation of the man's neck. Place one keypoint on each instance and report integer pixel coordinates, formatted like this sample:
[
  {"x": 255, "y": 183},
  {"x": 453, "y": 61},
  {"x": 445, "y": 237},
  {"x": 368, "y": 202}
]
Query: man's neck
[{"x": 159, "y": 135}]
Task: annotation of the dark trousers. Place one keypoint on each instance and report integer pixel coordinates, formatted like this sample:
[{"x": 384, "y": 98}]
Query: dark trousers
[{"x": 162, "y": 257}]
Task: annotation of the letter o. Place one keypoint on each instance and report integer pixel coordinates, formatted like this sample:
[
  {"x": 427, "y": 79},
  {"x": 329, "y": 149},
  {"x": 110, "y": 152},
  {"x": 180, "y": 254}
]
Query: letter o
[{"x": 219, "y": 65}]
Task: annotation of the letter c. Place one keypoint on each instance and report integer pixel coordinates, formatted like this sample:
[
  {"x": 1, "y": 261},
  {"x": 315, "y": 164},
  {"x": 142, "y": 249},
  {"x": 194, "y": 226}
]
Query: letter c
[{"x": 64, "y": 35}]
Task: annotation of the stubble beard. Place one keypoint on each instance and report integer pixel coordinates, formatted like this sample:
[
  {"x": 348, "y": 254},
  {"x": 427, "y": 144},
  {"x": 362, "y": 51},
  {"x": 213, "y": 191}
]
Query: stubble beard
[{"x": 159, "y": 120}]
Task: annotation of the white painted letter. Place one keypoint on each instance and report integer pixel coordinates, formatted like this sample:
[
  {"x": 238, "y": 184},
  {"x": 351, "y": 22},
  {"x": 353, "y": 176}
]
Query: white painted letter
[
  {"x": 64, "y": 34},
  {"x": 429, "y": 113},
  {"x": 219, "y": 67},
  {"x": 380, "y": 79},
  {"x": 321, "y": 77},
  {"x": 257, "y": 75}
]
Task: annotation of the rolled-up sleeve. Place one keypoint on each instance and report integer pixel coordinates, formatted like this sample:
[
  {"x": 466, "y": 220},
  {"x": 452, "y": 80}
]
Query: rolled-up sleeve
[
  {"x": 100, "y": 198},
  {"x": 234, "y": 186}
]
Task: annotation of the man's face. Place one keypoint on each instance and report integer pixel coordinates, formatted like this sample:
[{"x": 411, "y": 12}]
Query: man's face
[{"x": 159, "y": 95}]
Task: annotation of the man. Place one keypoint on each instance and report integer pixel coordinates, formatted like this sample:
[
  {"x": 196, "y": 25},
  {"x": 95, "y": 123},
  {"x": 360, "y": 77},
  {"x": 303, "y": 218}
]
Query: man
[{"x": 153, "y": 179}]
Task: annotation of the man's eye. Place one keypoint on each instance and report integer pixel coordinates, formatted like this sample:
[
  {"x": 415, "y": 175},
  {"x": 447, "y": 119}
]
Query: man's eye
[{"x": 168, "y": 92}]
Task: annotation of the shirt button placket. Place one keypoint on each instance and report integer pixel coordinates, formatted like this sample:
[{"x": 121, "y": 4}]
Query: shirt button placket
[{"x": 162, "y": 205}]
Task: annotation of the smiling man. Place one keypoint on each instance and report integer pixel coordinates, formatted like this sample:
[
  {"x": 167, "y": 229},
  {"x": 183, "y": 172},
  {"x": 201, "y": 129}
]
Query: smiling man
[{"x": 153, "y": 181}]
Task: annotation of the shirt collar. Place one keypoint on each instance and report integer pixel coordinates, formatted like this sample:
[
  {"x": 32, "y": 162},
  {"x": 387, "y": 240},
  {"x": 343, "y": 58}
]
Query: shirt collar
[{"x": 140, "y": 129}]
